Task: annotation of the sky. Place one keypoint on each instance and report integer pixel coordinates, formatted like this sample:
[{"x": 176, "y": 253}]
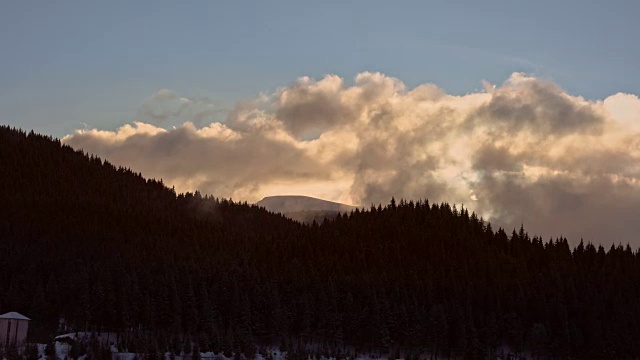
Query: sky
[{"x": 526, "y": 112}]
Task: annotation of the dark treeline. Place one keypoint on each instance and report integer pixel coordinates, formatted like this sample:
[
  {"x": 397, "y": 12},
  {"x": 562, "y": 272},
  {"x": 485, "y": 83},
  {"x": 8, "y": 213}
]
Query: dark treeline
[{"x": 104, "y": 248}]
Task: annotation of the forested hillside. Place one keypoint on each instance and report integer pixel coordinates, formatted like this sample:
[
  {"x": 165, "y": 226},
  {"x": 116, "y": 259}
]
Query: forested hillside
[{"x": 106, "y": 249}]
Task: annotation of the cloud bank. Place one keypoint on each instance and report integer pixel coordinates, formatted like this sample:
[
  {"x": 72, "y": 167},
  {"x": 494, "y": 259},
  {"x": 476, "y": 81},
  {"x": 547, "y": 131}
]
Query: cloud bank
[{"x": 521, "y": 152}]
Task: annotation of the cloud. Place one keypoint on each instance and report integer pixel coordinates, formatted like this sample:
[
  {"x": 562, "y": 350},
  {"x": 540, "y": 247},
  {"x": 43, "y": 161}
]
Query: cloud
[
  {"x": 521, "y": 152},
  {"x": 165, "y": 107}
]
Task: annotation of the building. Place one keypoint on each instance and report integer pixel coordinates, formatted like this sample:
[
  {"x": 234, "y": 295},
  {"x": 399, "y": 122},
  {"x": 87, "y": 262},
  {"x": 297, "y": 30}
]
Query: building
[{"x": 13, "y": 329}]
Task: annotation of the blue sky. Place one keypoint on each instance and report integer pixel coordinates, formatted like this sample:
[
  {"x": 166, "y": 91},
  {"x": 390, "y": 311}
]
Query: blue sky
[{"x": 69, "y": 63}]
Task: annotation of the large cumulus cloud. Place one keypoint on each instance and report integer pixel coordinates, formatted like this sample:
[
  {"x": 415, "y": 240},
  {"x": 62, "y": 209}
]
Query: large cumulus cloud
[{"x": 521, "y": 152}]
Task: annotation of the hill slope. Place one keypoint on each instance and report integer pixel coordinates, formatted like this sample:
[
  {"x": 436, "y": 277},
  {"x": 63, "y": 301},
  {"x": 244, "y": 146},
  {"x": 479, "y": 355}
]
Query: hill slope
[{"x": 105, "y": 248}]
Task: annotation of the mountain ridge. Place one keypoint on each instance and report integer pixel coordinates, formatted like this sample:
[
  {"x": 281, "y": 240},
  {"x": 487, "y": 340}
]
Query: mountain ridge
[{"x": 104, "y": 247}]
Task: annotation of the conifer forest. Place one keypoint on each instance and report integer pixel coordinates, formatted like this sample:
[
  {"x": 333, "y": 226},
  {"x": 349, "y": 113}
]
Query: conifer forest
[{"x": 107, "y": 250}]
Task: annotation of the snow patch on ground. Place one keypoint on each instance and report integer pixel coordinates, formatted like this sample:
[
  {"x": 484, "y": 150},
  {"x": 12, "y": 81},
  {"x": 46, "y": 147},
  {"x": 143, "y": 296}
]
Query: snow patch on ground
[{"x": 62, "y": 347}]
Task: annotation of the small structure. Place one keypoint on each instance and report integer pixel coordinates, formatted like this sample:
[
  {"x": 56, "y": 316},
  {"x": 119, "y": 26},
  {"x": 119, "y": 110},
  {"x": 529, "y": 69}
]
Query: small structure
[{"x": 13, "y": 329}]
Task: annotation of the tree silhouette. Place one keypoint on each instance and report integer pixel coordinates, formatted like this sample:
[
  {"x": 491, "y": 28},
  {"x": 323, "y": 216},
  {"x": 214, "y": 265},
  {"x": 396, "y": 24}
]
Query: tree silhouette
[{"x": 105, "y": 248}]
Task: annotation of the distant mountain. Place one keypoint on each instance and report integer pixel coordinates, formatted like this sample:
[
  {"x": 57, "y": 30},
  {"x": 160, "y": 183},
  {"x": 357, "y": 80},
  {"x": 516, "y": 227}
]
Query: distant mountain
[
  {"x": 294, "y": 203},
  {"x": 304, "y": 209}
]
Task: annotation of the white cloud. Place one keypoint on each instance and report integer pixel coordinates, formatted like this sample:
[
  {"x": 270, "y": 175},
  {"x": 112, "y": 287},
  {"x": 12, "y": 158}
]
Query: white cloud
[{"x": 522, "y": 152}]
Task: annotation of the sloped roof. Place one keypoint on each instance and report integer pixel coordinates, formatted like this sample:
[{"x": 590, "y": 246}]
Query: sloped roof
[{"x": 14, "y": 315}]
